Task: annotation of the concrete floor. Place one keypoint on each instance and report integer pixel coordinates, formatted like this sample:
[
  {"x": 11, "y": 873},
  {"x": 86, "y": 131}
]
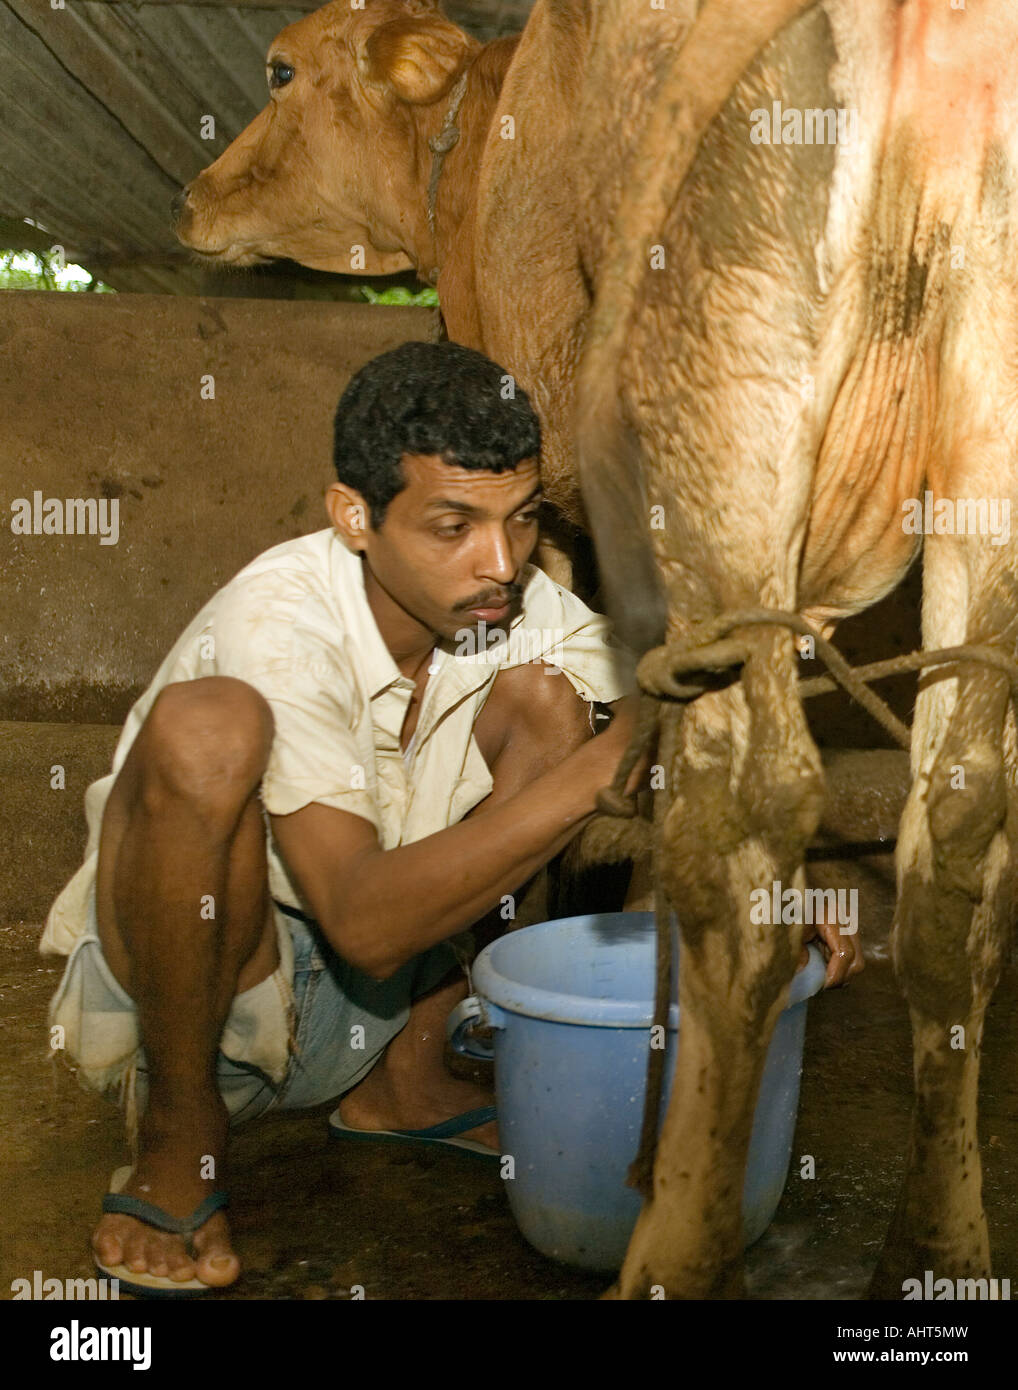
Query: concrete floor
[{"x": 312, "y": 1218}]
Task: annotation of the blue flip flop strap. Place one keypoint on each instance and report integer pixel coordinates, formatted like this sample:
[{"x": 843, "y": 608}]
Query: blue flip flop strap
[
  {"x": 126, "y": 1205},
  {"x": 448, "y": 1129}
]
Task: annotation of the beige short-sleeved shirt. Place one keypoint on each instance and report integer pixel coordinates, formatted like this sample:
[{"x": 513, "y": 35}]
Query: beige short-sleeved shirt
[{"x": 296, "y": 625}]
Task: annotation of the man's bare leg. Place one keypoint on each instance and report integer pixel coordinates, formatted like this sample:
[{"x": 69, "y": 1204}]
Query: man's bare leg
[
  {"x": 409, "y": 1087},
  {"x": 532, "y": 720},
  {"x": 182, "y": 822}
]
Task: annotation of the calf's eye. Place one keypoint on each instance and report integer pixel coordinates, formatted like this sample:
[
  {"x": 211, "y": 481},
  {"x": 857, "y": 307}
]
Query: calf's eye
[{"x": 280, "y": 74}]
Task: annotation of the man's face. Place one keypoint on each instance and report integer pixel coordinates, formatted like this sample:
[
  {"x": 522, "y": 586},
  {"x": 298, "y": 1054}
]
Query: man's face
[{"x": 453, "y": 544}]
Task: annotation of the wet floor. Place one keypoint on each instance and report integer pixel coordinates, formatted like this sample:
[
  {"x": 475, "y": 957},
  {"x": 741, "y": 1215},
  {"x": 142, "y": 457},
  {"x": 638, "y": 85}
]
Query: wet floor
[{"x": 313, "y": 1218}]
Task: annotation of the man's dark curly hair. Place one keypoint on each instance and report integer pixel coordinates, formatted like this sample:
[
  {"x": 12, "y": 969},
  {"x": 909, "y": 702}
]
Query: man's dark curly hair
[{"x": 428, "y": 398}]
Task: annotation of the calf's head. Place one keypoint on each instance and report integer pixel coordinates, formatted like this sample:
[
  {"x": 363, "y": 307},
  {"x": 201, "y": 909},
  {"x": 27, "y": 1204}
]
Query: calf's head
[{"x": 333, "y": 161}]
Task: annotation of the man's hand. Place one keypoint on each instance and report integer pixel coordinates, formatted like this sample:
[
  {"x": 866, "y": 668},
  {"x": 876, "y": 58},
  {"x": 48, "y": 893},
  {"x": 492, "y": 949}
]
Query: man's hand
[
  {"x": 610, "y": 745},
  {"x": 844, "y": 953}
]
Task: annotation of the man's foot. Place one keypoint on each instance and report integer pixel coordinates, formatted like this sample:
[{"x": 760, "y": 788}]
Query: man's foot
[
  {"x": 381, "y": 1102},
  {"x": 175, "y": 1184}
]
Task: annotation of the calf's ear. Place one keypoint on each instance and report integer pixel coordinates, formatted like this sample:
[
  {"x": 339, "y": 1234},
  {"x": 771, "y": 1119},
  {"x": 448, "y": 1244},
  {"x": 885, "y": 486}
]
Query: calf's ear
[{"x": 419, "y": 58}]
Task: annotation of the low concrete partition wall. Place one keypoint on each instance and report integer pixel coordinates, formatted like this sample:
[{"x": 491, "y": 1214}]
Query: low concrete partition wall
[{"x": 208, "y": 424}]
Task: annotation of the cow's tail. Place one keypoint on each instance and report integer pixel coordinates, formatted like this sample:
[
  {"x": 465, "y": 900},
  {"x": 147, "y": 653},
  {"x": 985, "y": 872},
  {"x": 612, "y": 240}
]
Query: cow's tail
[{"x": 722, "y": 42}]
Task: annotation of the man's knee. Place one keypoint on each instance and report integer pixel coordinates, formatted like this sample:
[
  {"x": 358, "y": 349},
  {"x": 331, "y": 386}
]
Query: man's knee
[{"x": 205, "y": 739}]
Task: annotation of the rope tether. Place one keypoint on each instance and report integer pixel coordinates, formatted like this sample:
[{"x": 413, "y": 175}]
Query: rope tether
[{"x": 708, "y": 648}]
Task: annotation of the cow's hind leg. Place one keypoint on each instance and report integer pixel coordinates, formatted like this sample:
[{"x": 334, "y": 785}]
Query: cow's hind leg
[
  {"x": 956, "y": 858},
  {"x": 748, "y": 792}
]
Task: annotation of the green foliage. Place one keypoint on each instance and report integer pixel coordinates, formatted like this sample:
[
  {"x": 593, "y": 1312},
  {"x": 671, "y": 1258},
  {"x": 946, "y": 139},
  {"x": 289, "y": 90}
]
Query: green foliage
[
  {"x": 28, "y": 270},
  {"x": 422, "y": 299}
]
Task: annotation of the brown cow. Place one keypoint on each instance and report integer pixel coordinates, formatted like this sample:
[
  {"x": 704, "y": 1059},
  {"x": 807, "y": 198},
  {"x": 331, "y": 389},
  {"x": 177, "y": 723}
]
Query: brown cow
[
  {"x": 795, "y": 340},
  {"x": 790, "y": 340},
  {"x": 335, "y": 173}
]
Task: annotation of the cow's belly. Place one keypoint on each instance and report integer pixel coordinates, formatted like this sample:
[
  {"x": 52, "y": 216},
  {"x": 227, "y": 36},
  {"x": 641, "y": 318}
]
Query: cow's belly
[
  {"x": 935, "y": 212},
  {"x": 874, "y": 457}
]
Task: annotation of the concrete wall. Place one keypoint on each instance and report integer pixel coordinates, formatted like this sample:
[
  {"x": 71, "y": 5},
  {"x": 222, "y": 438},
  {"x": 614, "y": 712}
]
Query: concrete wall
[{"x": 101, "y": 397}]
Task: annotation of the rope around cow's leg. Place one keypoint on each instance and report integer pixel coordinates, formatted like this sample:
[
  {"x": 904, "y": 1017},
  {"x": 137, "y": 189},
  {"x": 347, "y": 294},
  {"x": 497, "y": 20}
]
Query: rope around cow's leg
[
  {"x": 917, "y": 661},
  {"x": 703, "y": 649},
  {"x": 657, "y": 675},
  {"x": 659, "y": 668}
]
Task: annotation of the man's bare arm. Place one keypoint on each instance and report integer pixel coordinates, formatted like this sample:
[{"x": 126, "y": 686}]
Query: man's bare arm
[{"x": 380, "y": 908}]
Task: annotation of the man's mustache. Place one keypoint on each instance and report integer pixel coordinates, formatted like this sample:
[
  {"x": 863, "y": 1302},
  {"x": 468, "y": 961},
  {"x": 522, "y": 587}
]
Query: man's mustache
[{"x": 493, "y": 598}]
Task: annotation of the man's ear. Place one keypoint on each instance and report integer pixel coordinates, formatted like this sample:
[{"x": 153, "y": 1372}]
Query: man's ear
[
  {"x": 419, "y": 56},
  {"x": 349, "y": 514}
]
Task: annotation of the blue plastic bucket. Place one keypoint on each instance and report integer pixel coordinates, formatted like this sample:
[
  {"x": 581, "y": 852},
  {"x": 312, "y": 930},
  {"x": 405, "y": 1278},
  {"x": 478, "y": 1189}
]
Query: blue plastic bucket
[{"x": 571, "y": 1005}]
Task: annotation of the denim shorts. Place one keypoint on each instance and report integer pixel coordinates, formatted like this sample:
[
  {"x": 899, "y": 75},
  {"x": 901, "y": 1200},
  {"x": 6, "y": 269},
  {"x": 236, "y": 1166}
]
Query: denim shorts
[{"x": 302, "y": 1036}]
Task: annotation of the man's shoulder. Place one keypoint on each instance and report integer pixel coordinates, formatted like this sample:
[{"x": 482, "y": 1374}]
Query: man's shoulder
[
  {"x": 547, "y": 604},
  {"x": 310, "y": 570},
  {"x": 304, "y": 562},
  {"x": 559, "y": 629},
  {"x": 284, "y": 610}
]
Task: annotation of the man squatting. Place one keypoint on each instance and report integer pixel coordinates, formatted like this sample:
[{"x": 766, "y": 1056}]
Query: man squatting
[
  {"x": 320, "y": 760},
  {"x": 315, "y": 760}
]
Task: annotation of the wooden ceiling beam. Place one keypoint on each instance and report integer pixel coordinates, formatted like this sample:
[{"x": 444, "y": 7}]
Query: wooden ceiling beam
[{"x": 491, "y": 16}]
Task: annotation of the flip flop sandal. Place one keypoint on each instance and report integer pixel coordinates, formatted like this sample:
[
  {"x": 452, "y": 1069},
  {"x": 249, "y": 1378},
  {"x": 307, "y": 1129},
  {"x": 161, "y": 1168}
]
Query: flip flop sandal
[
  {"x": 147, "y": 1285},
  {"x": 442, "y": 1134}
]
